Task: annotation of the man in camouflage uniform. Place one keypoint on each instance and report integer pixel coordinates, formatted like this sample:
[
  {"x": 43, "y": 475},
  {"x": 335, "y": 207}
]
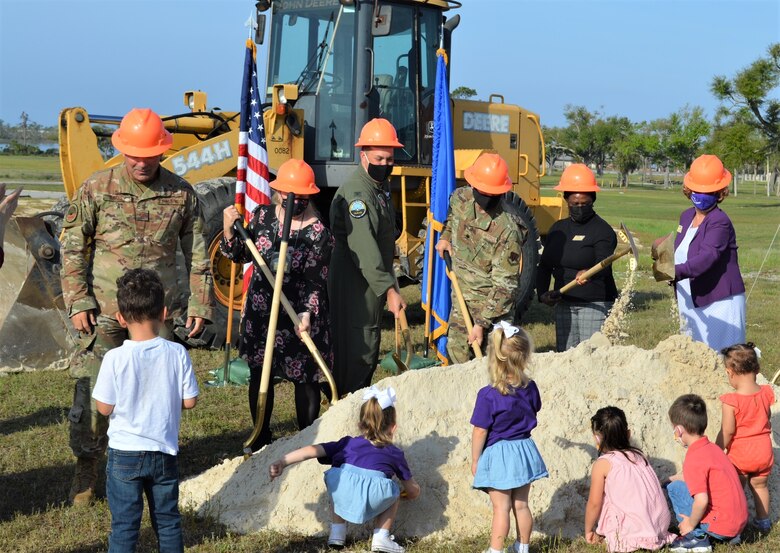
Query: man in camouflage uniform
[
  {"x": 126, "y": 217},
  {"x": 361, "y": 277},
  {"x": 484, "y": 238}
]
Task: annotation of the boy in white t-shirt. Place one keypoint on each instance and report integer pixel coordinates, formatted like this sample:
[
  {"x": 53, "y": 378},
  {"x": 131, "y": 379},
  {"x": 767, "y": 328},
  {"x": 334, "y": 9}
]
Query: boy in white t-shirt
[{"x": 142, "y": 387}]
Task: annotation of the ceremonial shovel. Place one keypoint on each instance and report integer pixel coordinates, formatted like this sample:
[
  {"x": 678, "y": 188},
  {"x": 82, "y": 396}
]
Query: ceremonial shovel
[
  {"x": 461, "y": 302},
  {"x": 278, "y": 298}
]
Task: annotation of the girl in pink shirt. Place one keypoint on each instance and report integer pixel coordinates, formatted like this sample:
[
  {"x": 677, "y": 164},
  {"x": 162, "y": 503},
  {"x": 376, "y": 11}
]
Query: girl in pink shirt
[{"x": 625, "y": 496}]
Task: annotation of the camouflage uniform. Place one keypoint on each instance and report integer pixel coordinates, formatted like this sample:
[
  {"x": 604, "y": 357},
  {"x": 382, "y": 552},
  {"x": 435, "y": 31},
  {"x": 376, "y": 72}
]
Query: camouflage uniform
[
  {"x": 361, "y": 271},
  {"x": 486, "y": 259},
  {"x": 114, "y": 224}
]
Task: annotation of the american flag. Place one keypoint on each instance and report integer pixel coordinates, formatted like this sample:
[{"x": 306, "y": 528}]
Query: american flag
[{"x": 252, "y": 187}]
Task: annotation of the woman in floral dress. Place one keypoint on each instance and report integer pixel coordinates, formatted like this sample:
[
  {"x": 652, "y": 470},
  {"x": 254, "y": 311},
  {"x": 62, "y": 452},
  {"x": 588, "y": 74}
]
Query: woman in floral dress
[{"x": 305, "y": 285}]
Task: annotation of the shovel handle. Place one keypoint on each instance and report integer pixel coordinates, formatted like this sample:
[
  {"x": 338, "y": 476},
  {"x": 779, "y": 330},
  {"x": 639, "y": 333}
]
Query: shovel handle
[
  {"x": 448, "y": 260},
  {"x": 273, "y": 319},
  {"x": 597, "y": 268},
  {"x": 461, "y": 302},
  {"x": 239, "y": 229},
  {"x": 406, "y": 334}
]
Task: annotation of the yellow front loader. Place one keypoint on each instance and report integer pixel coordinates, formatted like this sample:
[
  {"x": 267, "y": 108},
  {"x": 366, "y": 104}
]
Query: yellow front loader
[{"x": 332, "y": 66}]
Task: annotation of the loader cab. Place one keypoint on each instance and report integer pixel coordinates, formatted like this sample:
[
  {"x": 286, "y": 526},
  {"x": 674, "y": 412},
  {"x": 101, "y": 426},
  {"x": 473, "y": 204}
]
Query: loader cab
[{"x": 353, "y": 60}]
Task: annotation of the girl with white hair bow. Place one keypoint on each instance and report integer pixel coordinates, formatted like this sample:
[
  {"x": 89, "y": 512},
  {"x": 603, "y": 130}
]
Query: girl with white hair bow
[
  {"x": 504, "y": 457},
  {"x": 360, "y": 482}
]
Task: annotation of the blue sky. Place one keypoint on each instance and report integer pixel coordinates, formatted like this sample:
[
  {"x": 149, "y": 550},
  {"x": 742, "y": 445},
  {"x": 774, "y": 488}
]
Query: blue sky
[{"x": 640, "y": 58}]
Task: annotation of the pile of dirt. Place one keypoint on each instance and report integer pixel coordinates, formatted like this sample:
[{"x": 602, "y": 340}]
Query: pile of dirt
[{"x": 434, "y": 408}]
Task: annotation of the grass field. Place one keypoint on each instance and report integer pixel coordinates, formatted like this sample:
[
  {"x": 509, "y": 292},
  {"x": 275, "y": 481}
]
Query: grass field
[
  {"x": 36, "y": 465},
  {"x": 30, "y": 168}
]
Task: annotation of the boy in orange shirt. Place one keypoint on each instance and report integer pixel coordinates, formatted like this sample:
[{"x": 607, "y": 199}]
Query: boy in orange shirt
[{"x": 707, "y": 498}]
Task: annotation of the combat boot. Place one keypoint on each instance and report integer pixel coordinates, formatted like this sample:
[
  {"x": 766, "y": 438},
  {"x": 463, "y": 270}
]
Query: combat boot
[{"x": 82, "y": 489}]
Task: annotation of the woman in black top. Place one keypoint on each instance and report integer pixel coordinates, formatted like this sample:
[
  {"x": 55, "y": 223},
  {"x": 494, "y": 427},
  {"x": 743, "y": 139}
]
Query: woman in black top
[{"x": 573, "y": 246}]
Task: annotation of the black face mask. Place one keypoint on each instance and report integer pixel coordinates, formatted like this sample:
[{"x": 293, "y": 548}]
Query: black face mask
[
  {"x": 379, "y": 172},
  {"x": 581, "y": 213},
  {"x": 299, "y": 206},
  {"x": 487, "y": 203}
]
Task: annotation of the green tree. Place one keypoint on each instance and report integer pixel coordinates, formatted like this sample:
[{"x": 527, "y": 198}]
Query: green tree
[
  {"x": 578, "y": 135},
  {"x": 23, "y": 118},
  {"x": 15, "y": 148},
  {"x": 608, "y": 132},
  {"x": 628, "y": 151},
  {"x": 463, "y": 93},
  {"x": 748, "y": 93},
  {"x": 738, "y": 143},
  {"x": 675, "y": 140},
  {"x": 591, "y": 136},
  {"x": 689, "y": 130},
  {"x": 27, "y": 133},
  {"x": 554, "y": 149},
  {"x": 104, "y": 141}
]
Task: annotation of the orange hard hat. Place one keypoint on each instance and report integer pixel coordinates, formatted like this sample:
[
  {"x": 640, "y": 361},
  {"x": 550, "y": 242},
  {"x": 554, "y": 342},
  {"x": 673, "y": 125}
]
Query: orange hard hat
[
  {"x": 297, "y": 176},
  {"x": 577, "y": 177},
  {"x": 489, "y": 174},
  {"x": 707, "y": 174},
  {"x": 142, "y": 134},
  {"x": 380, "y": 133}
]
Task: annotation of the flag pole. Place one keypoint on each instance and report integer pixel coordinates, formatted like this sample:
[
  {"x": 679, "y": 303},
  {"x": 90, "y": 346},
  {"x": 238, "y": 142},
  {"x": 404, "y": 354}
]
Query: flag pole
[
  {"x": 429, "y": 277},
  {"x": 232, "y": 290},
  {"x": 229, "y": 333}
]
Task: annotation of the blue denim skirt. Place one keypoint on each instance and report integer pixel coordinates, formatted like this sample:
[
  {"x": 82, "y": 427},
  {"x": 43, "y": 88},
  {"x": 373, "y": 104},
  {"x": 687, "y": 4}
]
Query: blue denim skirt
[
  {"x": 509, "y": 464},
  {"x": 358, "y": 494}
]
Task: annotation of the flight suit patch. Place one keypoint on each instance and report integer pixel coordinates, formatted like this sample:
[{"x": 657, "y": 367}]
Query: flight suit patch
[
  {"x": 357, "y": 208},
  {"x": 578, "y": 238}
]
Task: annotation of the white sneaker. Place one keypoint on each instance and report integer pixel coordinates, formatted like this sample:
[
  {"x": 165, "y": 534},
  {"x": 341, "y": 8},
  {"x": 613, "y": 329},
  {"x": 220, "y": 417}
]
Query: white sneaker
[
  {"x": 335, "y": 541},
  {"x": 386, "y": 544}
]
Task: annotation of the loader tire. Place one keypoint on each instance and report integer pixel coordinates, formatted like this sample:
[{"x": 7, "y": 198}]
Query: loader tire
[
  {"x": 530, "y": 251},
  {"x": 53, "y": 217},
  {"x": 214, "y": 196}
]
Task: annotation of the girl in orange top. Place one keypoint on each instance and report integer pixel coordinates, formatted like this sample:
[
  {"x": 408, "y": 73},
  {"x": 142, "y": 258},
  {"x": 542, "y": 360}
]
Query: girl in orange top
[{"x": 745, "y": 428}]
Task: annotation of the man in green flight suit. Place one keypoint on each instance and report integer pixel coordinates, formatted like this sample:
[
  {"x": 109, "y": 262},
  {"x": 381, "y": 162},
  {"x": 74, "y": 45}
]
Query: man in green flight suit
[
  {"x": 130, "y": 216},
  {"x": 361, "y": 276},
  {"x": 484, "y": 237}
]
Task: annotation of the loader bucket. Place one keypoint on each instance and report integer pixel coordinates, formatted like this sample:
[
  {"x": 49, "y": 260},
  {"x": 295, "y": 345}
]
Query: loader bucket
[{"x": 35, "y": 331}]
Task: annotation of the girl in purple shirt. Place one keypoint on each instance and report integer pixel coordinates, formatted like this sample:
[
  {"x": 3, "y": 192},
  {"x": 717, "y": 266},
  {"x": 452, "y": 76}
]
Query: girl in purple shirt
[
  {"x": 504, "y": 457},
  {"x": 360, "y": 481}
]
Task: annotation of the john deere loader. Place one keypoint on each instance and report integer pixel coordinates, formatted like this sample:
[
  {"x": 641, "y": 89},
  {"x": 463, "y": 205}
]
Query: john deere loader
[{"x": 332, "y": 66}]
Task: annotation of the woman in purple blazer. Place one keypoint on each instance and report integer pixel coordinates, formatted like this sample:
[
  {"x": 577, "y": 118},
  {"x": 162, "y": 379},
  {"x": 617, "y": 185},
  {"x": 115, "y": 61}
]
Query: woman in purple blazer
[{"x": 709, "y": 286}]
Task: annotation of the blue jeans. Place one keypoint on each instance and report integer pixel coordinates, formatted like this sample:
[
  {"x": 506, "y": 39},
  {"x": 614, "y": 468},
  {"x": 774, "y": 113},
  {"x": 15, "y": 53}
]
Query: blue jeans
[
  {"x": 682, "y": 504},
  {"x": 129, "y": 476}
]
